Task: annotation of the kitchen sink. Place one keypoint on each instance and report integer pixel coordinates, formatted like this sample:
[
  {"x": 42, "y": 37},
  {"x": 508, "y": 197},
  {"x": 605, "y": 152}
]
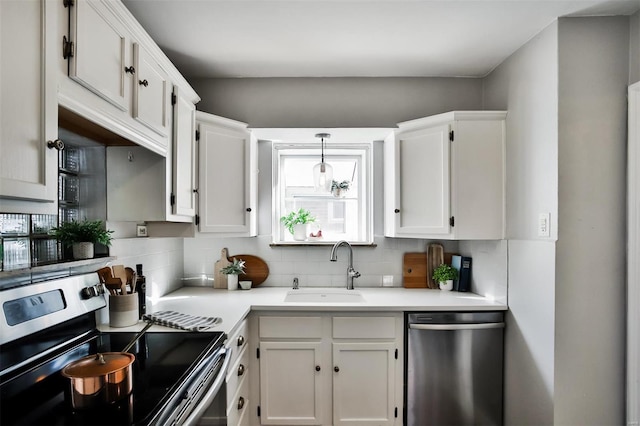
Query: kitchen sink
[{"x": 324, "y": 296}]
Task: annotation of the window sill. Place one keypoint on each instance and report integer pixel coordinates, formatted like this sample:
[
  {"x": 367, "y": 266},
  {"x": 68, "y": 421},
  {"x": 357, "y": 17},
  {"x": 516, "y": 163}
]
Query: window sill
[{"x": 317, "y": 243}]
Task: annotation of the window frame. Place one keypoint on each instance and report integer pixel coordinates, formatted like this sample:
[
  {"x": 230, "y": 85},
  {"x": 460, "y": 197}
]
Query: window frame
[{"x": 365, "y": 172}]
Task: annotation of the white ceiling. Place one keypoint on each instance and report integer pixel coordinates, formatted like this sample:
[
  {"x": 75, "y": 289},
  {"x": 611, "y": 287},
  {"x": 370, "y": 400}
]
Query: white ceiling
[{"x": 356, "y": 38}]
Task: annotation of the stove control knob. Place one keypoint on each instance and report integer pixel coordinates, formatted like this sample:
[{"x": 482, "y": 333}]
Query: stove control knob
[{"x": 93, "y": 291}]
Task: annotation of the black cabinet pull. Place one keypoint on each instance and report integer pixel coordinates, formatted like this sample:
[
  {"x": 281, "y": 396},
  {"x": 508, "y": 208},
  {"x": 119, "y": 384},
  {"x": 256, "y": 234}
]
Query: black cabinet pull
[
  {"x": 144, "y": 82},
  {"x": 240, "y": 403},
  {"x": 249, "y": 209},
  {"x": 317, "y": 368},
  {"x": 57, "y": 144},
  {"x": 336, "y": 368},
  {"x": 396, "y": 211},
  {"x": 130, "y": 70},
  {"x": 240, "y": 340},
  {"x": 240, "y": 370}
]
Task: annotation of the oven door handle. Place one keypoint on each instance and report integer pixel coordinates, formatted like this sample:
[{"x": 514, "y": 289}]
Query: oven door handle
[{"x": 208, "y": 398}]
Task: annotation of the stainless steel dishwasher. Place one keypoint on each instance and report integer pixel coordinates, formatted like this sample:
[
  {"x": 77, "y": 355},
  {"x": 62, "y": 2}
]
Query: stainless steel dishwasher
[{"x": 454, "y": 365}]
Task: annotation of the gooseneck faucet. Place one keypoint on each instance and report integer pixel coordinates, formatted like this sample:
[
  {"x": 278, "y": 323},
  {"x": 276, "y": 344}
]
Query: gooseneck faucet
[{"x": 351, "y": 273}]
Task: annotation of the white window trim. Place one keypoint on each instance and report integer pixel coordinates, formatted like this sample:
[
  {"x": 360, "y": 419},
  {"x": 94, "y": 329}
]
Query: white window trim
[{"x": 280, "y": 149}]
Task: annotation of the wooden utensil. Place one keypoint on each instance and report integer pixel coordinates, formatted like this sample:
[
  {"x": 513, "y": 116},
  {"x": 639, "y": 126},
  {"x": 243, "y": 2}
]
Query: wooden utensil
[
  {"x": 414, "y": 270},
  {"x": 104, "y": 273},
  {"x": 435, "y": 258},
  {"x": 114, "y": 285},
  {"x": 119, "y": 272},
  {"x": 256, "y": 269},
  {"x": 220, "y": 279}
]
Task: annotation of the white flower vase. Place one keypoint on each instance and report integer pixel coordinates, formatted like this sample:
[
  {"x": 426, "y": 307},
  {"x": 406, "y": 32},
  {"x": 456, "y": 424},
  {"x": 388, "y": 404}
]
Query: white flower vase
[
  {"x": 82, "y": 250},
  {"x": 232, "y": 282},
  {"x": 300, "y": 231},
  {"x": 446, "y": 285}
]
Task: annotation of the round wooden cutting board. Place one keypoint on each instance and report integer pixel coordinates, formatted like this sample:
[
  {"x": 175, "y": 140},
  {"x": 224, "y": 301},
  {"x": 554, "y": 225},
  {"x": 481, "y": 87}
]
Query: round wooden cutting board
[{"x": 256, "y": 269}]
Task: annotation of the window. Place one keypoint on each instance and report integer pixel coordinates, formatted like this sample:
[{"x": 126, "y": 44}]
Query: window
[{"x": 340, "y": 215}]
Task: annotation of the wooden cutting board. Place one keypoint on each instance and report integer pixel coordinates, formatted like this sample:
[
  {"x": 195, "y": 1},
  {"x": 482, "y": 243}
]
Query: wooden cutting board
[
  {"x": 414, "y": 270},
  {"x": 256, "y": 269},
  {"x": 220, "y": 279},
  {"x": 435, "y": 258}
]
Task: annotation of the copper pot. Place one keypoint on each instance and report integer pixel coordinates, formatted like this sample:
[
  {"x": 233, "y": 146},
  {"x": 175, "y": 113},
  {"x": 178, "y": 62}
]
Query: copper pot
[{"x": 100, "y": 379}]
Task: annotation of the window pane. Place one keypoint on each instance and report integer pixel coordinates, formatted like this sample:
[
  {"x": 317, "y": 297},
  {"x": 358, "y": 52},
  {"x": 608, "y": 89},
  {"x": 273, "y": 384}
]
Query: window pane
[{"x": 340, "y": 217}]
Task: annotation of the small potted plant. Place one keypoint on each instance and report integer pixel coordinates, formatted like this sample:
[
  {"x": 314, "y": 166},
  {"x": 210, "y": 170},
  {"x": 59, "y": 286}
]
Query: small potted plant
[
  {"x": 444, "y": 275},
  {"x": 232, "y": 271},
  {"x": 297, "y": 223},
  {"x": 339, "y": 189},
  {"x": 82, "y": 236}
]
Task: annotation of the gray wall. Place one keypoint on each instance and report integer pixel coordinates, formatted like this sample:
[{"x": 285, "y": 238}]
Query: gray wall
[
  {"x": 335, "y": 102},
  {"x": 634, "y": 48},
  {"x": 565, "y": 93},
  {"x": 526, "y": 85},
  {"x": 590, "y": 254}
]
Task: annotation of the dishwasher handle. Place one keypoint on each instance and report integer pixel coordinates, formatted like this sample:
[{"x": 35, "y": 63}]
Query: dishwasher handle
[{"x": 447, "y": 327}]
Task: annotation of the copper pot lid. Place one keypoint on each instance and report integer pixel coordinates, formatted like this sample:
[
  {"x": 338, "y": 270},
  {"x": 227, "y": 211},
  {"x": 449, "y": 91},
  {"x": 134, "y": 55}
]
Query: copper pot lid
[{"x": 98, "y": 365}]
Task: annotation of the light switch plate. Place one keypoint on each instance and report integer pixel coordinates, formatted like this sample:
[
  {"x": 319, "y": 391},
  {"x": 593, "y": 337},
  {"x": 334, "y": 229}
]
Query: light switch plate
[{"x": 544, "y": 220}]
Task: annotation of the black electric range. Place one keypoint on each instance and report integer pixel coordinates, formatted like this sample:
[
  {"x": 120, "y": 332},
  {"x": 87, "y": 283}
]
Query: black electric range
[{"x": 32, "y": 389}]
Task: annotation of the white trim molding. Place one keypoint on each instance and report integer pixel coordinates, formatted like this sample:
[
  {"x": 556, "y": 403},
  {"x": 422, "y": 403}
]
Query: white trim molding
[{"x": 633, "y": 254}]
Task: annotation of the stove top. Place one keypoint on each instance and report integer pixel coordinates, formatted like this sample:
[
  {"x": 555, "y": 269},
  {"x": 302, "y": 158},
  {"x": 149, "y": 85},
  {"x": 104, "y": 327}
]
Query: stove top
[
  {"x": 37, "y": 395},
  {"x": 46, "y": 326}
]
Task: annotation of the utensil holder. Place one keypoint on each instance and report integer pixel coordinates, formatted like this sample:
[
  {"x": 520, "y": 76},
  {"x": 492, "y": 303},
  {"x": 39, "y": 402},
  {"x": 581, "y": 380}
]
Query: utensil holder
[{"x": 123, "y": 310}]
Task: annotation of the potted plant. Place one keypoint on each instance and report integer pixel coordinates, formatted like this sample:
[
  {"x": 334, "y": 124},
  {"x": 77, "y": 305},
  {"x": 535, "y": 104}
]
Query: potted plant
[
  {"x": 444, "y": 275},
  {"x": 232, "y": 271},
  {"x": 297, "y": 223},
  {"x": 339, "y": 189},
  {"x": 82, "y": 236}
]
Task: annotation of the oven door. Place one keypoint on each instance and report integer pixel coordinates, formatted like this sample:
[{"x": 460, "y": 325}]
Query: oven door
[{"x": 205, "y": 392}]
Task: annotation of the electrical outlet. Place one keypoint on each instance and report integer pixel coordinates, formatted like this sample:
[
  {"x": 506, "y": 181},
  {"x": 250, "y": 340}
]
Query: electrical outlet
[
  {"x": 544, "y": 220},
  {"x": 387, "y": 281}
]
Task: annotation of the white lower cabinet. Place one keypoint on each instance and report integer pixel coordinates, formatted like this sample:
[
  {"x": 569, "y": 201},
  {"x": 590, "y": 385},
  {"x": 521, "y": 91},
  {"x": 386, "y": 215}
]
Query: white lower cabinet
[{"x": 330, "y": 369}]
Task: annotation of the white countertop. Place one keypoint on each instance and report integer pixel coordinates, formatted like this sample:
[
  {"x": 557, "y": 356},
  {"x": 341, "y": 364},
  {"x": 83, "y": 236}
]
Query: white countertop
[{"x": 233, "y": 306}]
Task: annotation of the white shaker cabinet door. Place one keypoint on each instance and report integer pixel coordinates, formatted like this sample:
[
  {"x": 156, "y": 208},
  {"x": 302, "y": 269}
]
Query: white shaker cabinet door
[
  {"x": 227, "y": 177},
  {"x": 28, "y": 105},
  {"x": 183, "y": 155},
  {"x": 364, "y": 383},
  {"x": 290, "y": 383},
  {"x": 421, "y": 182},
  {"x": 101, "y": 61},
  {"x": 152, "y": 93}
]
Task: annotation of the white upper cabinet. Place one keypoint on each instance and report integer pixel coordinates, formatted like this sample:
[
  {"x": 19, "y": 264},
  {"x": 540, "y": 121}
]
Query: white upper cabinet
[
  {"x": 152, "y": 93},
  {"x": 116, "y": 76},
  {"x": 227, "y": 176},
  {"x": 184, "y": 155},
  {"x": 444, "y": 177},
  {"x": 102, "y": 53},
  {"x": 28, "y": 107}
]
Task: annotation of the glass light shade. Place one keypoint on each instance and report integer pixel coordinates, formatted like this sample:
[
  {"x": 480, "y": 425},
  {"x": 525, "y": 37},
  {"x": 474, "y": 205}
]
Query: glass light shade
[{"x": 322, "y": 177}]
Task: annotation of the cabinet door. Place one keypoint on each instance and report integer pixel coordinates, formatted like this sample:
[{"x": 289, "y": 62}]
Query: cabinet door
[
  {"x": 227, "y": 186},
  {"x": 422, "y": 190},
  {"x": 183, "y": 155},
  {"x": 290, "y": 383},
  {"x": 28, "y": 105},
  {"x": 151, "y": 96},
  {"x": 102, "y": 52},
  {"x": 364, "y": 383}
]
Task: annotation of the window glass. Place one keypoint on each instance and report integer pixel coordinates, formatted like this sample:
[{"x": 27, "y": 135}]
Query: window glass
[{"x": 340, "y": 214}]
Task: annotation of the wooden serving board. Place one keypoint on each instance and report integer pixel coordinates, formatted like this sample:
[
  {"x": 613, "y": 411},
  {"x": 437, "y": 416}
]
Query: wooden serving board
[
  {"x": 414, "y": 270},
  {"x": 220, "y": 279},
  {"x": 256, "y": 269},
  {"x": 435, "y": 258}
]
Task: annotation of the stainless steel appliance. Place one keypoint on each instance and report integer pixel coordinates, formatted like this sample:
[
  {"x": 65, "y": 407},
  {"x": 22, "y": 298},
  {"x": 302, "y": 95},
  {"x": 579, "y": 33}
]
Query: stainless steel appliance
[
  {"x": 454, "y": 368},
  {"x": 45, "y": 326}
]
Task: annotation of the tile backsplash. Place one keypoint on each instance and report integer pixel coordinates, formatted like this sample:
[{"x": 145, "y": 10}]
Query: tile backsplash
[{"x": 310, "y": 265}]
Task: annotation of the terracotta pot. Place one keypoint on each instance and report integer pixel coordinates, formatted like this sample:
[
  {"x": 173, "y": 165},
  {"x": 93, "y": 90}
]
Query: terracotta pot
[{"x": 99, "y": 379}]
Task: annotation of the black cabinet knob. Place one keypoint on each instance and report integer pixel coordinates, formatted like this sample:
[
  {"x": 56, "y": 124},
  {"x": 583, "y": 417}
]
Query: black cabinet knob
[
  {"x": 144, "y": 82},
  {"x": 396, "y": 211},
  {"x": 130, "y": 70},
  {"x": 317, "y": 368},
  {"x": 336, "y": 368},
  {"x": 248, "y": 209}
]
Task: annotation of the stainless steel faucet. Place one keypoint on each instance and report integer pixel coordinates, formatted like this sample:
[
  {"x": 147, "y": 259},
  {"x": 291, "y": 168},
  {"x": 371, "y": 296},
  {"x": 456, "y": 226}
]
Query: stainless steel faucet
[
  {"x": 295, "y": 283},
  {"x": 351, "y": 273}
]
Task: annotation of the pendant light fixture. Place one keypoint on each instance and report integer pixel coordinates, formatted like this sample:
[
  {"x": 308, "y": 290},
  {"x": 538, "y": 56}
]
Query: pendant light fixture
[{"x": 322, "y": 172}]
